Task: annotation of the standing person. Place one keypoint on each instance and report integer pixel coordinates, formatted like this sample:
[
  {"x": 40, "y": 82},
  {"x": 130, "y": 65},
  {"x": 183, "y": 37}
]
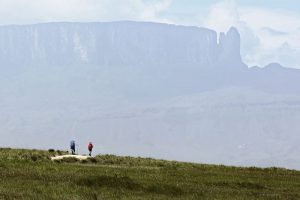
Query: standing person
[
  {"x": 72, "y": 146},
  {"x": 90, "y": 148}
]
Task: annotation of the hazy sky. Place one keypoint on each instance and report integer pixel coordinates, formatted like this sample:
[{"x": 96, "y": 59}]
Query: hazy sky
[{"x": 270, "y": 29}]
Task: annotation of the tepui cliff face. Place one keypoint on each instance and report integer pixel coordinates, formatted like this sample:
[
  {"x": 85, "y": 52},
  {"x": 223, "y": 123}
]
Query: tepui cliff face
[{"x": 117, "y": 43}]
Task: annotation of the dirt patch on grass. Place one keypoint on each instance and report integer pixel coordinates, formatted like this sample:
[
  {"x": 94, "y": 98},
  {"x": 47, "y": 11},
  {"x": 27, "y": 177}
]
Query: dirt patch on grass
[{"x": 69, "y": 158}]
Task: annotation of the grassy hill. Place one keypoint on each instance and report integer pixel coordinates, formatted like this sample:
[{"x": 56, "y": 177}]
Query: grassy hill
[{"x": 30, "y": 174}]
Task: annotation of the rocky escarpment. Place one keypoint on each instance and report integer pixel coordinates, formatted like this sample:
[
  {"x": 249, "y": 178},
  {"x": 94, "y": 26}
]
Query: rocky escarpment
[{"x": 117, "y": 43}]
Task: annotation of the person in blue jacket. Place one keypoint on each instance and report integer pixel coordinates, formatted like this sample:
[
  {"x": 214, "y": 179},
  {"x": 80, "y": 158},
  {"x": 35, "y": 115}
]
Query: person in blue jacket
[{"x": 72, "y": 147}]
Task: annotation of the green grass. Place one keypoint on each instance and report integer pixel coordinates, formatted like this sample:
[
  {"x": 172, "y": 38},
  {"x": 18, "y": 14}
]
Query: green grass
[{"x": 29, "y": 174}]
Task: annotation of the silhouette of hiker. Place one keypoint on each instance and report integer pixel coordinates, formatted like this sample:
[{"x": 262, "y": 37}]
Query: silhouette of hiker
[
  {"x": 90, "y": 148},
  {"x": 72, "y": 147}
]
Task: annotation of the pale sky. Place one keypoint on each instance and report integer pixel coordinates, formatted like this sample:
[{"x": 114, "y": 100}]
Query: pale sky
[{"x": 270, "y": 29}]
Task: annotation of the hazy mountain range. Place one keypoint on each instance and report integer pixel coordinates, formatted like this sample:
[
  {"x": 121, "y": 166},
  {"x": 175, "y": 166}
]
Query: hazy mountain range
[{"x": 146, "y": 89}]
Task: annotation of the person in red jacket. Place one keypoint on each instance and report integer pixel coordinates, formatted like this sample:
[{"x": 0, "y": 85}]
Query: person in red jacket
[{"x": 90, "y": 148}]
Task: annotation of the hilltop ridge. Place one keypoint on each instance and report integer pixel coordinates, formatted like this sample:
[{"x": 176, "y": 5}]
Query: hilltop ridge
[{"x": 30, "y": 174}]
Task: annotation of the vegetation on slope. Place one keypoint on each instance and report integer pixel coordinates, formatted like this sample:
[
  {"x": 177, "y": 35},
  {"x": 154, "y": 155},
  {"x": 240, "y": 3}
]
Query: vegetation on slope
[{"x": 30, "y": 174}]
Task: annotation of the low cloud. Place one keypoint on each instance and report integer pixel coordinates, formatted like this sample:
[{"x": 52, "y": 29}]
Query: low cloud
[
  {"x": 33, "y": 11},
  {"x": 267, "y": 35}
]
